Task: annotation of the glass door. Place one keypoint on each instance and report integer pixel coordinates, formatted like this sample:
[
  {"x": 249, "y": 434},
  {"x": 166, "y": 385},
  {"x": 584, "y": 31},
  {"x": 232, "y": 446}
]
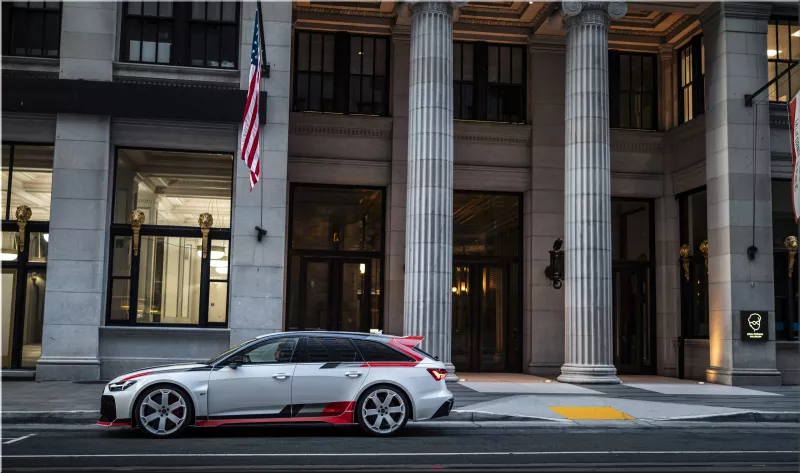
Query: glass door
[
  {"x": 632, "y": 319},
  {"x": 483, "y": 336},
  {"x": 335, "y": 294},
  {"x": 23, "y": 291}
]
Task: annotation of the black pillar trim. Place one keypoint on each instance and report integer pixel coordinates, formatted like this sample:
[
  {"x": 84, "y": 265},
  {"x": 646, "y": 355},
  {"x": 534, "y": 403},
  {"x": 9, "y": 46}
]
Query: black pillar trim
[{"x": 126, "y": 99}]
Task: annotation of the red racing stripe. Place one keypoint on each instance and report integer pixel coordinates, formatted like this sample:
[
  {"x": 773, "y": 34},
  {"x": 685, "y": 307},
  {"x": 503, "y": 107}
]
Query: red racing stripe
[
  {"x": 116, "y": 423},
  {"x": 136, "y": 376}
]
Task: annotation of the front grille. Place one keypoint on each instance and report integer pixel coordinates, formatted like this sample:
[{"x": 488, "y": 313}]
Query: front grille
[{"x": 108, "y": 409}]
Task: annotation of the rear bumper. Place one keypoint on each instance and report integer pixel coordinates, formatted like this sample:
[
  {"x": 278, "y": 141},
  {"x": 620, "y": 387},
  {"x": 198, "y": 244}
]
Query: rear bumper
[{"x": 444, "y": 410}]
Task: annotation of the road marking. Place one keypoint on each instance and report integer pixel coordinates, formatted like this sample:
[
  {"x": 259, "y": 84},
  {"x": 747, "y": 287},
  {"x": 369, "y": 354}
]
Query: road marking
[
  {"x": 591, "y": 413},
  {"x": 396, "y": 454},
  {"x": 9, "y": 442}
]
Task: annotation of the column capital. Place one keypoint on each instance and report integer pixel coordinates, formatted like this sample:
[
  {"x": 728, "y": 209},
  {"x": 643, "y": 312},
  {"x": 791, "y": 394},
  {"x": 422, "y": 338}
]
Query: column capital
[
  {"x": 666, "y": 51},
  {"x": 615, "y": 10}
]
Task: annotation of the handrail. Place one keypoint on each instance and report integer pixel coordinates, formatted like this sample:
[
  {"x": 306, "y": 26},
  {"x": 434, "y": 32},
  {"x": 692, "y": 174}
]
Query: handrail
[{"x": 748, "y": 99}]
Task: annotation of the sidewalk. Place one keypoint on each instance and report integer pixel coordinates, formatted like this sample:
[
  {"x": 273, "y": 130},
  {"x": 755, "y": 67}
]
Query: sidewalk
[{"x": 488, "y": 398}]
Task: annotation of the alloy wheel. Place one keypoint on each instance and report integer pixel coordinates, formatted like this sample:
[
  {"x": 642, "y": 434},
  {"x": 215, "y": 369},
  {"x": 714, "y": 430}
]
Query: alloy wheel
[
  {"x": 162, "y": 412},
  {"x": 383, "y": 411}
]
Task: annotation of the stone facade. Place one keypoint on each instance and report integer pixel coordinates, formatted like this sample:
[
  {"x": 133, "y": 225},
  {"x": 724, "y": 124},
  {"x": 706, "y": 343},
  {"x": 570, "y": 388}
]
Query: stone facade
[{"x": 565, "y": 162}]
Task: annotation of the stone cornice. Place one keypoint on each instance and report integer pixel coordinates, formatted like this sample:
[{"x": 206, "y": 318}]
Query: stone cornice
[
  {"x": 344, "y": 11},
  {"x": 492, "y": 139},
  {"x": 547, "y": 43},
  {"x": 634, "y": 146}
]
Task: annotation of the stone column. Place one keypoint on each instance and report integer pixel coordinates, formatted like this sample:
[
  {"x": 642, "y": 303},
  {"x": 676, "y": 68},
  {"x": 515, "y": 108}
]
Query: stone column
[
  {"x": 429, "y": 204},
  {"x": 77, "y": 270},
  {"x": 667, "y": 57},
  {"x": 588, "y": 201},
  {"x": 738, "y": 177},
  {"x": 257, "y": 268},
  {"x": 668, "y": 281}
]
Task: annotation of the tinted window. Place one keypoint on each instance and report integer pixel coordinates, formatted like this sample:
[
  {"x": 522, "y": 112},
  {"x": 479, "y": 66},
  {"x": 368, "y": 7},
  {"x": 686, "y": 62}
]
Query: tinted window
[
  {"x": 326, "y": 350},
  {"x": 273, "y": 351},
  {"x": 373, "y": 351}
]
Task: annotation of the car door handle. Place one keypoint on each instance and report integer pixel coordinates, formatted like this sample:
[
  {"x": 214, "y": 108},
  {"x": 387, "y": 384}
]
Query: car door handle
[
  {"x": 353, "y": 374},
  {"x": 280, "y": 375}
]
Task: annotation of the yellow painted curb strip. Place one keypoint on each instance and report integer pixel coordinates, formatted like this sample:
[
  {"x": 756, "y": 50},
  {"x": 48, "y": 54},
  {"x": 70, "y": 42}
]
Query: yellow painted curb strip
[{"x": 591, "y": 413}]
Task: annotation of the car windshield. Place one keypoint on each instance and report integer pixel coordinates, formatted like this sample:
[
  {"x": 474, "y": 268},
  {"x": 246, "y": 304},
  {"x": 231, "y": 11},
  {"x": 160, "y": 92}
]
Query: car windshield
[{"x": 223, "y": 355}]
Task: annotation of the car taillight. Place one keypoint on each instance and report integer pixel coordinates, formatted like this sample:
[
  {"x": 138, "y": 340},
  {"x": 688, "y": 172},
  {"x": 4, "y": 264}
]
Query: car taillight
[{"x": 438, "y": 374}]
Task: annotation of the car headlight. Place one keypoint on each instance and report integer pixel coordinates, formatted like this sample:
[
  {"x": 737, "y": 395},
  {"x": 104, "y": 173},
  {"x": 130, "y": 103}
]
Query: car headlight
[{"x": 121, "y": 386}]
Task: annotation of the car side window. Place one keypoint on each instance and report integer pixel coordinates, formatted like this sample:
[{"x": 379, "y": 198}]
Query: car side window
[
  {"x": 330, "y": 349},
  {"x": 272, "y": 351},
  {"x": 374, "y": 351}
]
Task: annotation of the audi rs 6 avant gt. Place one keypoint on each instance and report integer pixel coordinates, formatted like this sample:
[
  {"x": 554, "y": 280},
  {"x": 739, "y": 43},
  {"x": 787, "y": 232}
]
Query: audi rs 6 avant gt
[{"x": 377, "y": 381}]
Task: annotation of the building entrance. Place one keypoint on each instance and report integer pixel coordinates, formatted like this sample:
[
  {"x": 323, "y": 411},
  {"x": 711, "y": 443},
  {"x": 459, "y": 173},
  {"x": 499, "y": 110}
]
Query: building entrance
[{"x": 487, "y": 322}]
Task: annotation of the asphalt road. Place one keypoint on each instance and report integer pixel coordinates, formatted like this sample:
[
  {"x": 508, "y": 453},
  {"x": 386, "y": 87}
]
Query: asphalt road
[{"x": 698, "y": 447}]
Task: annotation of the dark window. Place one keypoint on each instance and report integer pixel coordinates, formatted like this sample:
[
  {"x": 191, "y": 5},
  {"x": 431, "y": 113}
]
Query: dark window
[
  {"x": 691, "y": 73},
  {"x": 272, "y": 351},
  {"x": 330, "y": 350},
  {"x": 786, "y": 289},
  {"x": 166, "y": 278},
  {"x": 488, "y": 82},
  {"x": 32, "y": 29},
  {"x": 783, "y": 50},
  {"x": 374, "y": 351},
  {"x": 633, "y": 90},
  {"x": 694, "y": 277},
  {"x": 201, "y": 34},
  {"x": 341, "y": 73}
]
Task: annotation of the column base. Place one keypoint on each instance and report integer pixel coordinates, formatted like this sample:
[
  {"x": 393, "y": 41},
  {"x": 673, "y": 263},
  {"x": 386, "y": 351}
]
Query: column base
[
  {"x": 588, "y": 374},
  {"x": 452, "y": 377},
  {"x": 67, "y": 369},
  {"x": 743, "y": 376}
]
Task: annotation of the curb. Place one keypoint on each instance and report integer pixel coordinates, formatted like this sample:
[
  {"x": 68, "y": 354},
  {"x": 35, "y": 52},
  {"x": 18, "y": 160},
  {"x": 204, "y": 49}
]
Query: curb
[
  {"x": 475, "y": 416},
  {"x": 748, "y": 416},
  {"x": 51, "y": 417}
]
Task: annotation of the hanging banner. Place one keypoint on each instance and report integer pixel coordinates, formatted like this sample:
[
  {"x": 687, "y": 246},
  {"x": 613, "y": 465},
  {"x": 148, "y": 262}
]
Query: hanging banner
[{"x": 794, "y": 117}]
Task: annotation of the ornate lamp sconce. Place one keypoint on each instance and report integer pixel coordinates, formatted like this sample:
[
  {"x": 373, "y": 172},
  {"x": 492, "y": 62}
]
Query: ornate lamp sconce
[
  {"x": 555, "y": 272},
  {"x": 704, "y": 250},
  {"x": 205, "y": 221},
  {"x": 137, "y": 220},
  {"x": 791, "y": 244},
  {"x": 685, "y": 249},
  {"x": 23, "y": 216}
]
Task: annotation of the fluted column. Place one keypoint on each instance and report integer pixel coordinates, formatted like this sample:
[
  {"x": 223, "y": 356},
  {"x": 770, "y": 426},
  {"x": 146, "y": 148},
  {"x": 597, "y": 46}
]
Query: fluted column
[
  {"x": 429, "y": 204},
  {"x": 589, "y": 357}
]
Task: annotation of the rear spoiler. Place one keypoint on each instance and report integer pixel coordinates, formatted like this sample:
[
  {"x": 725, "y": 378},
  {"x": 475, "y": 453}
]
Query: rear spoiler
[{"x": 411, "y": 341}]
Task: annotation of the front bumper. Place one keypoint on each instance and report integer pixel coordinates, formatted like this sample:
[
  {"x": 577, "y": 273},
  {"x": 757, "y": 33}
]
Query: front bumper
[
  {"x": 108, "y": 413},
  {"x": 444, "y": 410}
]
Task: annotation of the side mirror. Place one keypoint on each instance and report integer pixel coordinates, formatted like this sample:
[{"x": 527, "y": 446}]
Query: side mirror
[{"x": 234, "y": 362}]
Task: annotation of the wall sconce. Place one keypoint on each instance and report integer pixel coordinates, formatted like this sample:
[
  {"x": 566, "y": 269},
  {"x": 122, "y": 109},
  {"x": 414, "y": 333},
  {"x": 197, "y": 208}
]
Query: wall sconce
[
  {"x": 704, "y": 250},
  {"x": 555, "y": 272},
  {"x": 137, "y": 220},
  {"x": 23, "y": 216},
  {"x": 791, "y": 244},
  {"x": 205, "y": 221},
  {"x": 685, "y": 249}
]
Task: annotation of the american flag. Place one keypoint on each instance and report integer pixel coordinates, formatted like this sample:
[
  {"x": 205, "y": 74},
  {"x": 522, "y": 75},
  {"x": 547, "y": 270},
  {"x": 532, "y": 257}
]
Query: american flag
[{"x": 251, "y": 152}]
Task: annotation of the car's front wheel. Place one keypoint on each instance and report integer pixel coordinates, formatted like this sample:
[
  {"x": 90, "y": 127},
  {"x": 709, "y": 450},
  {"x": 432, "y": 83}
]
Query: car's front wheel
[
  {"x": 163, "y": 411},
  {"x": 383, "y": 410}
]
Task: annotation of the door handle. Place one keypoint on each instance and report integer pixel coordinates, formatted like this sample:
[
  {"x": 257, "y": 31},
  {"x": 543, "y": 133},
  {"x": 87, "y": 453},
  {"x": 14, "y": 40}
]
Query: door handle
[
  {"x": 280, "y": 375},
  {"x": 353, "y": 374}
]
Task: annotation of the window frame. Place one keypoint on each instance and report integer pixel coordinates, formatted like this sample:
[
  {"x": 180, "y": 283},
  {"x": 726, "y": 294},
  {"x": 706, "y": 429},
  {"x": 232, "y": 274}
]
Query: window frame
[
  {"x": 255, "y": 346},
  {"x": 615, "y": 92},
  {"x": 688, "y": 296},
  {"x": 342, "y": 77},
  {"x": 8, "y": 16},
  {"x": 779, "y": 251},
  {"x": 774, "y": 63},
  {"x": 181, "y": 47},
  {"x": 697, "y": 82},
  {"x": 480, "y": 82},
  {"x": 126, "y": 230}
]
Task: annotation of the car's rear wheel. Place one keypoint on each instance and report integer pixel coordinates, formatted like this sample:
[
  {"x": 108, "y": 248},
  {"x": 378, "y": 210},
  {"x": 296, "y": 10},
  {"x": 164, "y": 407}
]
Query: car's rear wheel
[
  {"x": 383, "y": 410},
  {"x": 163, "y": 411}
]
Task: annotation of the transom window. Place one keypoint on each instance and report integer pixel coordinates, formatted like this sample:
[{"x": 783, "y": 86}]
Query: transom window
[
  {"x": 633, "y": 90},
  {"x": 692, "y": 74},
  {"x": 488, "y": 82},
  {"x": 783, "y": 49},
  {"x": 163, "y": 276},
  {"x": 341, "y": 73},
  {"x": 200, "y": 34},
  {"x": 32, "y": 29}
]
